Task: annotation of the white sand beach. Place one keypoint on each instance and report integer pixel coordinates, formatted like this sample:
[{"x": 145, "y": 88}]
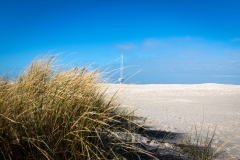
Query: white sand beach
[{"x": 179, "y": 108}]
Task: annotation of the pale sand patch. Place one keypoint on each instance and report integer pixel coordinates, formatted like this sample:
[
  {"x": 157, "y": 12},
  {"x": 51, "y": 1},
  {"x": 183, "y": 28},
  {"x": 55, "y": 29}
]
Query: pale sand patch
[{"x": 178, "y": 108}]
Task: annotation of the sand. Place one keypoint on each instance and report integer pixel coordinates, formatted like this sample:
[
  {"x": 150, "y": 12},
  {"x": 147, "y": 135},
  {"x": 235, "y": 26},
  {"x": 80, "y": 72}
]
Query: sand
[{"x": 179, "y": 108}]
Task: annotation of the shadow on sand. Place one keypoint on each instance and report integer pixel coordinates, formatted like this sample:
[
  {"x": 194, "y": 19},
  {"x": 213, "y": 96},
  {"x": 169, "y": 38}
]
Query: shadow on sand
[{"x": 161, "y": 144}]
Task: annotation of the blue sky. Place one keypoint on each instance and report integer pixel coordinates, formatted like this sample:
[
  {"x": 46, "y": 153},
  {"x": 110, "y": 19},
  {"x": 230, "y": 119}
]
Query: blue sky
[{"x": 171, "y": 41}]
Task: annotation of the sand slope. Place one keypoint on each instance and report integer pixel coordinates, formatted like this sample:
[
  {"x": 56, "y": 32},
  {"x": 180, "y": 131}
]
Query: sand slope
[{"x": 178, "y": 108}]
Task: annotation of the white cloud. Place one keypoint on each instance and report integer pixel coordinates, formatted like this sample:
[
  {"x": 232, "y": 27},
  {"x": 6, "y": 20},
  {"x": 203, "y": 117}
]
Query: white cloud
[
  {"x": 126, "y": 46},
  {"x": 152, "y": 43},
  {"x": 227, "y": 76},
  {"x": 235, "y": 40}
]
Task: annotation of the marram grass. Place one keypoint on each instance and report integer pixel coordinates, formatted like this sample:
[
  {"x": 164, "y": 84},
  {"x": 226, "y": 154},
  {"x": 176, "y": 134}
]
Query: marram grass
[{"x": 48, "y": 113}]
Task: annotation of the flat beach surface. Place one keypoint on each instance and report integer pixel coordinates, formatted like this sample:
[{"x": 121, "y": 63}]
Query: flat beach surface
[{"x": 179, "y": 108}]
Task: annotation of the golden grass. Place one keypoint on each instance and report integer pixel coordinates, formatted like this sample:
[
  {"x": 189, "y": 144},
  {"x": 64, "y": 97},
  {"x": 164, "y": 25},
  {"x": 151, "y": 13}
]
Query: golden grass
[{"x": 52, "y": 113}]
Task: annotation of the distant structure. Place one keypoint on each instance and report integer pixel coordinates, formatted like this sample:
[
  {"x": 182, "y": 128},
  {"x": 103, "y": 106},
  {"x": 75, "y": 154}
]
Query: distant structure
[{"x": 121, "y": 80}]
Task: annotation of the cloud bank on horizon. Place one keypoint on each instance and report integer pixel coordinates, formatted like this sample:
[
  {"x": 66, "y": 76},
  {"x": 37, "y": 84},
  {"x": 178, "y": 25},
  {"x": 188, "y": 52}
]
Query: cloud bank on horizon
[{"x": 183, "y": 60}]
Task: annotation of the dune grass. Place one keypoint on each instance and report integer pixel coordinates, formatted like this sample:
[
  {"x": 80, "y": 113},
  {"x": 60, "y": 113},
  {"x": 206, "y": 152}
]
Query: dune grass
[{"x": 52, "y": 113}]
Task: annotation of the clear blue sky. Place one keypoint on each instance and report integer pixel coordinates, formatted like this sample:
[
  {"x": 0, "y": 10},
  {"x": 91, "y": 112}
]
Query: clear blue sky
[{"x": 171, "y": 41}]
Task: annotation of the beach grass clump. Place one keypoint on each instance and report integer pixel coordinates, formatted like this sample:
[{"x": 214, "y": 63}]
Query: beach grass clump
[
  {"x": 200, "y": 147},
  {"x": 197, "y": 148},
  {"x": 53, "y": 113}
]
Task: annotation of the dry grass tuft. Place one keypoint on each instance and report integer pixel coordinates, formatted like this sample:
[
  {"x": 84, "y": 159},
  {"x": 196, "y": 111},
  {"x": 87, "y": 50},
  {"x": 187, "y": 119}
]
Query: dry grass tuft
[{"x": 49, "y": 113}]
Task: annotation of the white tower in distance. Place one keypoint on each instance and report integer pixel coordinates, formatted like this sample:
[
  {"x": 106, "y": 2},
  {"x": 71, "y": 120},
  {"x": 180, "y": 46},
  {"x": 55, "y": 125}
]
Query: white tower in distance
[{"x": 121, "y": 80}]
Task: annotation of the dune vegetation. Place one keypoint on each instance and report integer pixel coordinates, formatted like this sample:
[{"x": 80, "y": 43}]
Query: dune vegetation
[{"x": 53, "y": 113}]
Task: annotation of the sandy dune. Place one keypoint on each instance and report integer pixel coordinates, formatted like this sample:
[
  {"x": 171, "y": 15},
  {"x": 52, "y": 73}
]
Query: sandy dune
[{"x": 179, "y": 108}]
